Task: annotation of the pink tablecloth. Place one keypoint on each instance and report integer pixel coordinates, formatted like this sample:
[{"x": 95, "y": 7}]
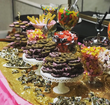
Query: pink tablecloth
[{"x": 7, "y": 96}]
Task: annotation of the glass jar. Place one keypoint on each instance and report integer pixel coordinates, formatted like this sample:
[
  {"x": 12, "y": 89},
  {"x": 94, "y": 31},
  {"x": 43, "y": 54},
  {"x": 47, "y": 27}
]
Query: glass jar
[{"x": 68, "y": 18}]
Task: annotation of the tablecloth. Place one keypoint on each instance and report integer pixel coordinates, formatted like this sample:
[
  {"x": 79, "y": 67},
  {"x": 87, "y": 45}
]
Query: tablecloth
[{"x": 80, "y": 88}]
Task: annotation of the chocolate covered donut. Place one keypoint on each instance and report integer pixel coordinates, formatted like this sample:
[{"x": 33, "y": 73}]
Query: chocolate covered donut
[
  {"x": 17, "y": 26},
  {"x": 35, "y": 46},
  {"x": 28, "y": 47}
]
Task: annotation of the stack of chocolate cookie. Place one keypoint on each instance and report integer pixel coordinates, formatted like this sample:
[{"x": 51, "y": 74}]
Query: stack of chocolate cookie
[
  {"x": 18, "y": 36},
  {"x": 40, "y": 49},
  {"x": 62, "y": 65},
  {"x": 17, "y": 32},
  {"x": 20, "y": 24},
  {"x": 19, "y": 40}
]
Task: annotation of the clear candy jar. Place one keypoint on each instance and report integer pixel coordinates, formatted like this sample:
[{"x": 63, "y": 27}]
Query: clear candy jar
[
  {"x": 89, "y": 59},
  {"x": 49, "y": 7},
  {"x": 66, "y": 41},
  {"x": 68, "y": 18},
  {"x": 104, "y": 60}
]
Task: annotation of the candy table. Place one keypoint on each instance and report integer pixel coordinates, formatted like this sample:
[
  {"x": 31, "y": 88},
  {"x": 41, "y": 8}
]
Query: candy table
[{"x": 76, "y": 89}]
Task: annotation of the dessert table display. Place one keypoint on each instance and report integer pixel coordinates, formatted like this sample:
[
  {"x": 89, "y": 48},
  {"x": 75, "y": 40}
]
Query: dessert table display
[
  {"x": 77, "y": 89},
  {"x": 64, "y": 66}
]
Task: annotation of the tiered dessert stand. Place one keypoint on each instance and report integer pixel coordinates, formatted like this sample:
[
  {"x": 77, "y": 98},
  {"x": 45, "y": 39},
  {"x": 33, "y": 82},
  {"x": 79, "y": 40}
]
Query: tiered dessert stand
[
  {"x": 33, "y": 62},
  {"x": 61, "y": 88}
]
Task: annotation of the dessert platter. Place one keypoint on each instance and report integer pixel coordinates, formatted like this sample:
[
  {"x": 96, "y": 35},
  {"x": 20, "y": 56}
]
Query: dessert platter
[
  {"x": 62, "y": 68},
  {"x": 49, "y": 67},
  {"x": 13, "y": 61}
]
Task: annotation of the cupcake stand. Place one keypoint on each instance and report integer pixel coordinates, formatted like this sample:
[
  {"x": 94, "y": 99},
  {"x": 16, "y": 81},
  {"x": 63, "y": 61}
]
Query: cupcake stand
[
  {"x": 33, "y": 62},
  {"x": 61, "y": 88}
]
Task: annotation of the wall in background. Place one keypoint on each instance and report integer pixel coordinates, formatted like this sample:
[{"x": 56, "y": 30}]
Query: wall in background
[
  {"x": 6, "y": 8},
  {"x": 90, "y": 5},
  {"x": 26, "y": 9},
  {"x": 5, "y": 14},
  {"x": 50, "y": 1}
]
